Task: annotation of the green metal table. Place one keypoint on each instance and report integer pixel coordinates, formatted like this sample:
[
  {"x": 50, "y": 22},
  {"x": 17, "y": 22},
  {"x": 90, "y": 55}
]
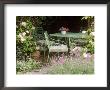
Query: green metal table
[{"x": 70, "y": 35}]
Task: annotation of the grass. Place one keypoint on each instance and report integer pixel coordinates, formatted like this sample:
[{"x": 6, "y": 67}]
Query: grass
[{"x": 76, "y": 66}]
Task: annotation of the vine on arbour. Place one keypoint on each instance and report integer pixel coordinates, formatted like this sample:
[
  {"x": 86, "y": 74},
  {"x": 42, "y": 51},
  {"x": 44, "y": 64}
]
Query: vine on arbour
[{"x": 25, "y": 43}]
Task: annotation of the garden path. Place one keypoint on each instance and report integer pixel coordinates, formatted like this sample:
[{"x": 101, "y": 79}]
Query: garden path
[{"x": 42, "y": 70}]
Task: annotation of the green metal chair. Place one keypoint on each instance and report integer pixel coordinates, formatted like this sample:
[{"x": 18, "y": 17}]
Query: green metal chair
[
  {"x": 53, "y": 47},
  {"x": 40, "y": 37},
  {"x": 38, "y": 33}
]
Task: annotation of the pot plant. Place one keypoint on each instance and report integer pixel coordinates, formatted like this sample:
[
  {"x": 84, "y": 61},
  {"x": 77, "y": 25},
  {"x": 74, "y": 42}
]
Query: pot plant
[{"x": 63, "y": 30}]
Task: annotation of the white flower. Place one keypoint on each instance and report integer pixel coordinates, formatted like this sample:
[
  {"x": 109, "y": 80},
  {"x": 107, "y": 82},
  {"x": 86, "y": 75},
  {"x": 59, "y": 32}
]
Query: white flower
[
  {"x": 84, "y": 55},
  {"x": 20, "y": 35},
  {"x": 23, "y": 24},
  {"x": 23, "y": 34},
  {"x": 27, "y": 31},
  {"x": 16, "y": 26},
  {"x": 22, "y": 39},
  {"x": 92, "y": 33},
  {"x": 37, "y": 48},
  {"x": 33, "y": 27},
  {"x": 83, "y": 31}
]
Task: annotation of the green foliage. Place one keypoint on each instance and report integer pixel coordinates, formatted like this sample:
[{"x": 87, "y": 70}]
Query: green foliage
[
  {"x": 37, "y": 21},
  {"x": 28, "y": 46},
  {"x": 90, "y": 22},
  {"x": 26, "y": 66},
  {"x": 25, "y": 43},
  {"x": 87, "y": 17},
  {"x": 90, "y": 31},
  {"x": 90, "y": 41}
]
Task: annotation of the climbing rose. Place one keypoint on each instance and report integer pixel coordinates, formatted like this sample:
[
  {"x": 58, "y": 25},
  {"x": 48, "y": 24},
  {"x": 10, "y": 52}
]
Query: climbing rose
[
  {"x": 23, "y": 24},
  {"x": 22, "y": 39},
  {"x": 27, "y": 31},
  {"x": 23, "y": 34}
]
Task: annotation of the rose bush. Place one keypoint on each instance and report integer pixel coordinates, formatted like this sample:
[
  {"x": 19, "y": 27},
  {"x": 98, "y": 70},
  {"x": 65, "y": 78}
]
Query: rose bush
[{"x": 25, "y": 44}]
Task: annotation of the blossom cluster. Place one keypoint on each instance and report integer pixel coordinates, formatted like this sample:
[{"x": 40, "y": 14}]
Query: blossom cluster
[
  {"x": 24, "y": 24},
  {"x": 22, "y": 36},
  {"x": 64, "y": 29}
]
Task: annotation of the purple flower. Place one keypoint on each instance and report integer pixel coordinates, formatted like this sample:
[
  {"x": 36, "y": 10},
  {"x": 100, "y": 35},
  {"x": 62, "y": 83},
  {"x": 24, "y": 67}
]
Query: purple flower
[
  {"x": 61, "y": 60},
  {"x": 87, "y": 56}
]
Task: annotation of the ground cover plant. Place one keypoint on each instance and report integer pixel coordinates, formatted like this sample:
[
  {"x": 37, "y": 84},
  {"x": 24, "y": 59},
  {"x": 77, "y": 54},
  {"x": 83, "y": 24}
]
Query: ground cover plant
[
  {"x": 73, "y": 66},
  {"x": 26, "y": 66}
]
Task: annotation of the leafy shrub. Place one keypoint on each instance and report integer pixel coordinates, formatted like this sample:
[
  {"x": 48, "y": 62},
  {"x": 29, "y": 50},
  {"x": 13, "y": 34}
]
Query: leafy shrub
[
  {"x": 25, "y": 35},
  {"x": 90, "y": 31},
  {"x": 25, "y": 44},
  {"x": 90, "y": 44},
  {"x": 26, "y": 66}
]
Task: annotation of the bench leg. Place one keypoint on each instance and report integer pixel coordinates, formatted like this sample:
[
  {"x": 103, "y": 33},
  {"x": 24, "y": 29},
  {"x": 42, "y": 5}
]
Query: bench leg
[{"x": 48, "y": 59}]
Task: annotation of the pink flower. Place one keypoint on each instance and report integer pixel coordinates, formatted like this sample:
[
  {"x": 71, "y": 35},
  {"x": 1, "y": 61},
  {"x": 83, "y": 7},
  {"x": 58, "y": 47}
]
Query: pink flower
[
  {"x": 64, "y": 29},
  {"x": 87, "y": 55},
  {"x": 61, "y": 60}
]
